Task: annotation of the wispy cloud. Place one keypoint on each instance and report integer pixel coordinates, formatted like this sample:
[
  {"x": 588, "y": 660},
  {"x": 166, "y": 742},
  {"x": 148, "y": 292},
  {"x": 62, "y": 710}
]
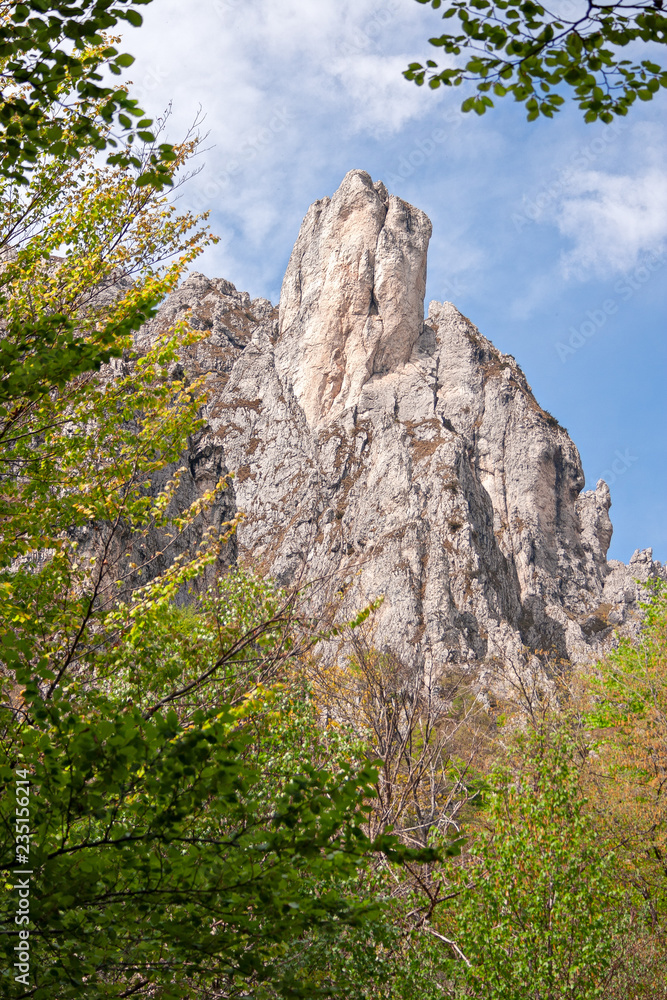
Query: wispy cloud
[
  {"x": 613, "y": 219},
  {"x": 286, "y": 87},
  {"x": 339, "y": 56},
  {"x": 376, "y": 93}
]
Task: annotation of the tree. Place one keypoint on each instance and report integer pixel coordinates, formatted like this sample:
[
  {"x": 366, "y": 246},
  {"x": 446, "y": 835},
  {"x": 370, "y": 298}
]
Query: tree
[
  {"x": 170, "y": 843},
  {"x": 53, "y": 99},
  {"x": 78, "y": 445},
  {"x": 54, "y": 115},
  {"x": 157, "y": 860},
  {"x": 625, "y": 711},
  {"x": 522, "y": 48},
  {"x": 540, "y": 910},
  {"x": 428, "y": 736}
]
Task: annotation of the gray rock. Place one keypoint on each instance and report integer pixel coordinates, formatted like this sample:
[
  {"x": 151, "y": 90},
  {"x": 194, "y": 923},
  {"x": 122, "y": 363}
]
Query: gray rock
[{"x": 382, "y": 455}]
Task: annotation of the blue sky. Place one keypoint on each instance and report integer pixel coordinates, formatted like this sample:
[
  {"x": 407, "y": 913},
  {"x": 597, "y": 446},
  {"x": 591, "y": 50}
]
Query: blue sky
[{"x": 550, "y": 236}]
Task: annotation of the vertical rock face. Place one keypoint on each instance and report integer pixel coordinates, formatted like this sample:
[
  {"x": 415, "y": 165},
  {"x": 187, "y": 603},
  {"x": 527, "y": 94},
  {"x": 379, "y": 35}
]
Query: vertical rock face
[
  {"x": 400, "y": 458},
  {"x": 352, "y": 301}
]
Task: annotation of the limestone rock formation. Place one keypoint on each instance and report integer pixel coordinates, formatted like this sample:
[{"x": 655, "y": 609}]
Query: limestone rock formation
[
  {"x": 352, "y": 302},
  {"x": 397, "y": 456}
]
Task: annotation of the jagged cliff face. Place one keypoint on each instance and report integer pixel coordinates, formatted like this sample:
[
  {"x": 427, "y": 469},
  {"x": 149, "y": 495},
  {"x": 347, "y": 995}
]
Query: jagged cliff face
[
  {"x": 400, "y": 457},
  {"x": 352, "y": 302}
]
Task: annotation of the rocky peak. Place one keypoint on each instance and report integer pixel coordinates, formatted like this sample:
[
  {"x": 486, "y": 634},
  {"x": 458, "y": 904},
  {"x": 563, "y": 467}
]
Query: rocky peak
[
  {"x": 400, "y": 458},
  {"x": 352, "y": 301}
]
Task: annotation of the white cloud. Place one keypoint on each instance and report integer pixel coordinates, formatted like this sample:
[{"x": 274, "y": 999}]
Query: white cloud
[
  {"x": 287, "y": 87},
  {"x": 341, "y": 57},
  {"x": 380, "y": 99},
  {"x": 612, "y": 219},
  {"x": 605, "y": 192},
  {"x": 296, "y": 92}
]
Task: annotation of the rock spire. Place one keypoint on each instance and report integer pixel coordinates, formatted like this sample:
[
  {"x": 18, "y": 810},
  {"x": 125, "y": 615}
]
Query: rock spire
[{"x": 400, "y": 457}]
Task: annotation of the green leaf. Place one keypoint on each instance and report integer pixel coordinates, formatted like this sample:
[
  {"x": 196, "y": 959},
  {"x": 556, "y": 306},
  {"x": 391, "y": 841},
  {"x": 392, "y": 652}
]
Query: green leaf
[{"x": 134, "y": 18}]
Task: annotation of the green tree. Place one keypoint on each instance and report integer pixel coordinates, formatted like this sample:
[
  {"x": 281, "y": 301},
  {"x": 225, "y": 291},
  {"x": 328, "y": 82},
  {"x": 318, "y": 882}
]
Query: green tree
[
  {"x": 625, "y": 710},
  {"x": 56, "y": 113},
  {"x": 79, "y": 445},
  {"x": 53, "y": 97},
  {"x": 157, "y": 860},
  {"x": 540, "y": 911},
  {"x": 535, "y": 53}
]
